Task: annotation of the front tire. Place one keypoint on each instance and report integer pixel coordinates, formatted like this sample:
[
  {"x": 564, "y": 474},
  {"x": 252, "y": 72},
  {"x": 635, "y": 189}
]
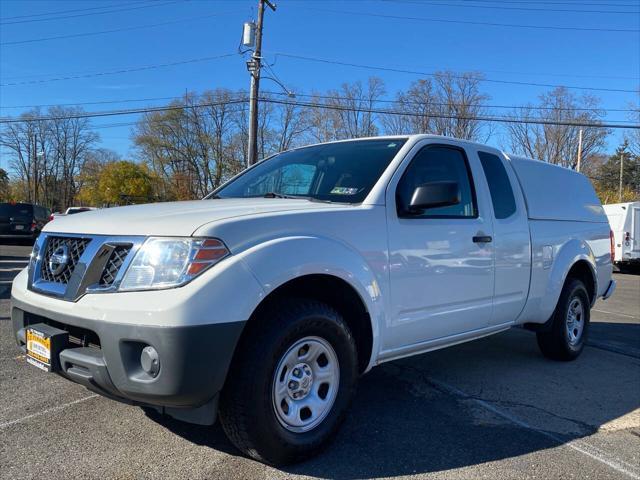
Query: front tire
[
  {"x": 570, "y": 324},
  {"x": 291, "y": 382}
]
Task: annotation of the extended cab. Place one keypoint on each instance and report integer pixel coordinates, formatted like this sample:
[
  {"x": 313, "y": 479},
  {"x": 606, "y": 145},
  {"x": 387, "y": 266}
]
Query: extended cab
[{"x": 263, "y": 303}]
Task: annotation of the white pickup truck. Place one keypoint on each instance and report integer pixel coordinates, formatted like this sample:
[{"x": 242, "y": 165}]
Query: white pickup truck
[{"x": 263, "y": 303}]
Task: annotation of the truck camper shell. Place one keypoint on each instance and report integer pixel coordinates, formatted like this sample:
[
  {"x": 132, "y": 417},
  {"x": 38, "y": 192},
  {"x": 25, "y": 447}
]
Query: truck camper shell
[{"x": 556, "y": 193}]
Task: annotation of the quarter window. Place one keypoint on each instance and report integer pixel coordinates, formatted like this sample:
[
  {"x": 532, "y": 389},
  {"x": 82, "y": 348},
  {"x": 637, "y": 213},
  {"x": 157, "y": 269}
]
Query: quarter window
[
  {"x": 438, "y": 163},
  {"x": 504, "y": 203}
]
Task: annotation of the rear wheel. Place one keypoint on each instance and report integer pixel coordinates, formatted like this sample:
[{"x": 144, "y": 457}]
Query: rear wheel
[
  {"x": 291, "y": 382},
  {"x": 570, "y": 324}
]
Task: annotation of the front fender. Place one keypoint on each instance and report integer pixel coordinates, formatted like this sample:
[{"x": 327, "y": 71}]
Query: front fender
[{"x": 277, "y": 261}]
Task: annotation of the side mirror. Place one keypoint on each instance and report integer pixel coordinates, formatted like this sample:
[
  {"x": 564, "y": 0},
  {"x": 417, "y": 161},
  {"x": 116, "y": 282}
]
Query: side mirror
[{"x": 434, "y": 194}]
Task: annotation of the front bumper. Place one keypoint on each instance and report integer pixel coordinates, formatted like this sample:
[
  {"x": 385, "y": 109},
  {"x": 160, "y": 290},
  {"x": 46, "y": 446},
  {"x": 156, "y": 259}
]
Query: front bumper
[{"x": 106, "y": 359}]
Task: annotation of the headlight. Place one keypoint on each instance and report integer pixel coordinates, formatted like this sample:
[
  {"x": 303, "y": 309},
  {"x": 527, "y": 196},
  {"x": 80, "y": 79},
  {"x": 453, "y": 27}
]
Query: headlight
[
  {"x": 171, "y": 262},
  {"x": 35, "y": 251}
]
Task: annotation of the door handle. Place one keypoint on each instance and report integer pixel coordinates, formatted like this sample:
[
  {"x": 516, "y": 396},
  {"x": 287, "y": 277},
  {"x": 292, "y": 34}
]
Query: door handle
[{"x": 482, "y": 239}]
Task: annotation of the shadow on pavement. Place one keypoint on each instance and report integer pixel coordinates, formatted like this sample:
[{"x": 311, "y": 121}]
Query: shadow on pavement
[
  {"x": 404, "y": 422},
  {"x": 623, "y": 338}
]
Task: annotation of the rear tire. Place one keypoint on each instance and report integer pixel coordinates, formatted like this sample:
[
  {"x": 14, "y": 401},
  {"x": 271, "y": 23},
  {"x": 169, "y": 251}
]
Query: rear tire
[
  {"x": 291, "y": 382},
  {"x": 570, "y": 324}
]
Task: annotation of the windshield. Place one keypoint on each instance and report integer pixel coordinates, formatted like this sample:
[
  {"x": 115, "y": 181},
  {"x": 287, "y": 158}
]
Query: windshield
[
  {"x": 335, "y": 172},
  {"x": 74, "y": 210}
]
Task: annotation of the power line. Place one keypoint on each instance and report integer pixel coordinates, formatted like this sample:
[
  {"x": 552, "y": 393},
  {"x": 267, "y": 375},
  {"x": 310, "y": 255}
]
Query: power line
[
  {"x": 472, "y": 22},
  {"x": 125, "y": 29},
  {"x": 122, "y": 70},
  {"x": 536, "y": 2},
  {"x": 99, "y": 102},
  {"x": 110, "y": 113},
  {"x": 58, "y": 12},
  {"x": 327, "y": 97},
  {"x": 484, "y": 118},
  {"x": 431, "y": 74},
  {"x": 131, "y": 124},
  {"x": 510, "y": 107},
  {"x": 487, "y": 118},
  {"x": 438, "y": 3},
  {"x": 75, "y": 75},
  {"x": 153, "y": 5}
]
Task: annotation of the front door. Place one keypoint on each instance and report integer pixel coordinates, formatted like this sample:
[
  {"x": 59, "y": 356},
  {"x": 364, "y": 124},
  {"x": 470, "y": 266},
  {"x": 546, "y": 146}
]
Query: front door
[{"x": 441, "y": 260}]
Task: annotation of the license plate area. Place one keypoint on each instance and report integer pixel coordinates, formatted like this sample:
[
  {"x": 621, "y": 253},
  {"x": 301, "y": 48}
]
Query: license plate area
[{"x": 44, "y": 343}]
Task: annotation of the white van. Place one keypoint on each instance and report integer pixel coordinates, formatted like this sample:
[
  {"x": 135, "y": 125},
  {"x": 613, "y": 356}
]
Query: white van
[{"x": 624, "y": 219}]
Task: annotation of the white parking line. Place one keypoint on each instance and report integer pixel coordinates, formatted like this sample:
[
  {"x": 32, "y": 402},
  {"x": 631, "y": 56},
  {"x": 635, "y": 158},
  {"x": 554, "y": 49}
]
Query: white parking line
[
  {"x": 44, "y": 412},
  {"x": 613, "y": 313},
  {"x": 578, "y": 445}
]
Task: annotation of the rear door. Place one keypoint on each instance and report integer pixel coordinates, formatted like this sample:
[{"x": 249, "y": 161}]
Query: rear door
[
  {"x": 22, "y": 218},
  {"x": 15, "y": 218},
  {"x": 635, "y": 232},
  {"x": 441, "y": 264},
  {"x": 511, "y": 238}
]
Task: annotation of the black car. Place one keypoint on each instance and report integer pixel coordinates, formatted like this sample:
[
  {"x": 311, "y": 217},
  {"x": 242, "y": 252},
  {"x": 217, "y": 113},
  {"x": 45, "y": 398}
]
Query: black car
[{"x": 22, "y": 220}]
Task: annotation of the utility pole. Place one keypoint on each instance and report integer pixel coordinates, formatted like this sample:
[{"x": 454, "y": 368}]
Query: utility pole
[
  {"x": 254, "y": 66},
  {"x": 579, "y": 149},
  {"x": 621, "y": 171},
  {"x": 35, "y": 168}
]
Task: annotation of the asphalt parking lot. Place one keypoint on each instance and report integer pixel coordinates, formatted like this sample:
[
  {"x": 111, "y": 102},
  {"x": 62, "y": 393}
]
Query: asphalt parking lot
[{"x": 494, "y": 408}]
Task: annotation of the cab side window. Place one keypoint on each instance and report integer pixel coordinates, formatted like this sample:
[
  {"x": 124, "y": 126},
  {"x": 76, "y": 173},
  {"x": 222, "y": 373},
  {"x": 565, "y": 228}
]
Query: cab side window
[
  {"x": 438, "y": 163},
  {"x": 504, "y": 203}
]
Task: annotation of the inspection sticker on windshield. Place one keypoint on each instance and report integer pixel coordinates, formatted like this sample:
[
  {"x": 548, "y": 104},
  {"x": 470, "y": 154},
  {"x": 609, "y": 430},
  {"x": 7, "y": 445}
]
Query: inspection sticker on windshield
[{"x": 344, "y": 191}]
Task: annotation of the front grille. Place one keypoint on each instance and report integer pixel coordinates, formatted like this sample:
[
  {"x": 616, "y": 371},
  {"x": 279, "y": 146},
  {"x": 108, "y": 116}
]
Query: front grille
[
  {"x": 79, "y": 336},
  {"x": 75, "y": 249},
  {"x": 113, "y": 265}
]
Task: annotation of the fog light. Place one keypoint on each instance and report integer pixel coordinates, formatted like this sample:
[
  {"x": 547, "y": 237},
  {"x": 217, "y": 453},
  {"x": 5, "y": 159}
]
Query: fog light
[{"x": 150, "y": 361}]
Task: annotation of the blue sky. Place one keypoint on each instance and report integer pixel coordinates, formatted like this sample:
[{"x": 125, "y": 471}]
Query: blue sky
[{"x": 196, "y": 29}]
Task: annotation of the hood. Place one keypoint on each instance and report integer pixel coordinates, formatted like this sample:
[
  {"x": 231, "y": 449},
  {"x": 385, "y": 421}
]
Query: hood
[{"x": 174, "y": 218}]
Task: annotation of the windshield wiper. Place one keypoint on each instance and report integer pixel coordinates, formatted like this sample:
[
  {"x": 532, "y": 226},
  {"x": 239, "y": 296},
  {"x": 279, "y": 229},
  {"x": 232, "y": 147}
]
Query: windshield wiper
[
  {"x": 282, "y": 195},
  {"x": 295, "y": 197}
]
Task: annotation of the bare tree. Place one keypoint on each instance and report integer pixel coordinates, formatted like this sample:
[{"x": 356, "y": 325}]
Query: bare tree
[
  {"x": 353, "y": 102},
  {"x": 450, "y": 105},
  {"x": 558, "y": 143},
  {"x": 633, "y": 136},
  {"x": 189, "y": 148},
  {"x": 21, "y": 140},
  {"x": 71, "y": 142},
  {"x": 47, "y": 153},
  {"x": 291, "y": 125},
  {"x": 414, "y": 109},
  {"x": 321, "y": 120},
  {"x": 459, "y": 103}
]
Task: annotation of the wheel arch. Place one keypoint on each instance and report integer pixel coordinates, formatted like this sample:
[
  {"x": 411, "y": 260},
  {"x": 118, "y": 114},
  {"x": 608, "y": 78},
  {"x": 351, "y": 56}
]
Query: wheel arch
[
  {"x": 576, "y": 258},
  {"x": 337, "y": 293},
  {"x": 582, "y": 270},
  {"x": 327, "y": 269}
]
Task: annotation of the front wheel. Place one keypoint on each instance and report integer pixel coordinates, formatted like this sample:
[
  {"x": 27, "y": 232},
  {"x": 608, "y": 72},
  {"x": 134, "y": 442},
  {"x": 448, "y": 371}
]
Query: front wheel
[
  {"x": 291, "y": 382},
  {"x": 570, "y": 324}
]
